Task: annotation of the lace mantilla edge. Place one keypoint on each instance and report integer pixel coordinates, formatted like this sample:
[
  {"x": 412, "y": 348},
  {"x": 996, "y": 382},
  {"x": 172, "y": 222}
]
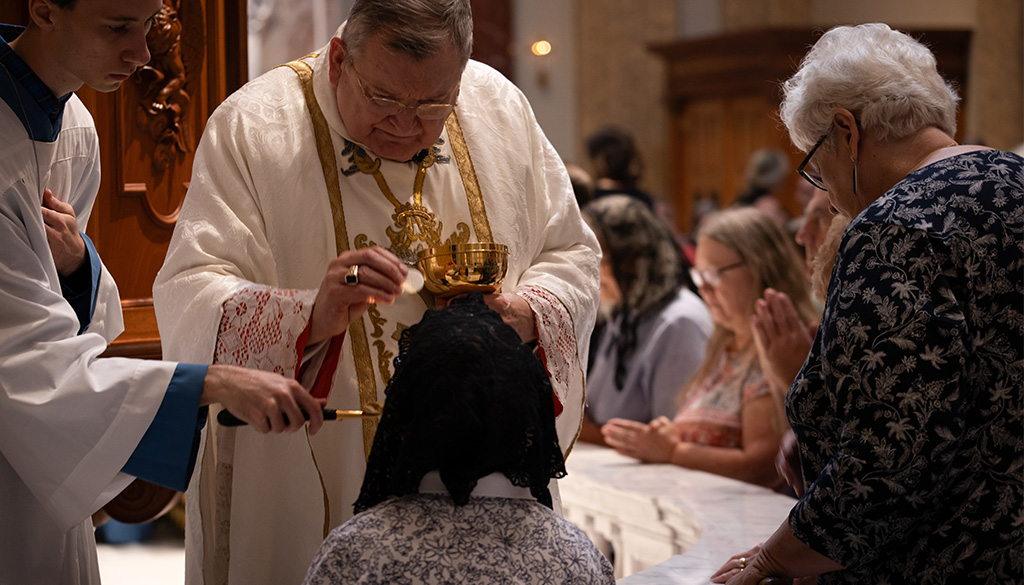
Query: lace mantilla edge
[{"x": 260, "y": 327}]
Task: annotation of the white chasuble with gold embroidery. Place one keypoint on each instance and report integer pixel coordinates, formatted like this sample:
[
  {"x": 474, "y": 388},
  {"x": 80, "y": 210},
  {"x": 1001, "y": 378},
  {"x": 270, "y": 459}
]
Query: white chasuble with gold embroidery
[{"x": 252, "y": 245}]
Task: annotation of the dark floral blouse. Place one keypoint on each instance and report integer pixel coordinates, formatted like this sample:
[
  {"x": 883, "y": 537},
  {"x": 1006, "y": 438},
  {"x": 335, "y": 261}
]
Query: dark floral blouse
[
  {"x": 908, "y": 410},
  {"x": 428, "y": 540}
]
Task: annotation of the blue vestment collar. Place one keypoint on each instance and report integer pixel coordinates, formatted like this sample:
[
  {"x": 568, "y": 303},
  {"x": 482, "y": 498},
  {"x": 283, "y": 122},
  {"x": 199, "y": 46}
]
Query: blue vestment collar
[{"x": 40, "y": 112}]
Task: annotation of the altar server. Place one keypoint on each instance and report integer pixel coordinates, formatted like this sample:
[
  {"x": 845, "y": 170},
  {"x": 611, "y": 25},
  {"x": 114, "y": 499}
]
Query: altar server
[{"x": 76, "y": 428}]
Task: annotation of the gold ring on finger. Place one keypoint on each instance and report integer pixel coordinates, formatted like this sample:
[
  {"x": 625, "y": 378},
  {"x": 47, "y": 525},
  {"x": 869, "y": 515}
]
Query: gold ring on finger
[{"x": 352, "y": 276}]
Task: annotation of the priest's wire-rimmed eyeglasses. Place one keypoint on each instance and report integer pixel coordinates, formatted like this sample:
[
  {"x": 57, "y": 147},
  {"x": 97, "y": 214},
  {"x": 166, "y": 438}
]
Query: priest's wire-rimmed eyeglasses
[
  {"x": 383, "y": 106},
  {"x": 814, "y": 178}
]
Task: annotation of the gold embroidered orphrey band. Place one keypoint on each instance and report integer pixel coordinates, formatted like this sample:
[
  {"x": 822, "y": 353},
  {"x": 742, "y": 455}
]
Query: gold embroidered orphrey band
[{"x": 328, "y": 162}]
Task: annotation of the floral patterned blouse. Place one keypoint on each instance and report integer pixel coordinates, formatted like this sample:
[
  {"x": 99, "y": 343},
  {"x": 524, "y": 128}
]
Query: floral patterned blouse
[
  {"x": 427, "y": 539},
  {"x": 908, "y": 410},
  {"x": 713, "y": 411}
]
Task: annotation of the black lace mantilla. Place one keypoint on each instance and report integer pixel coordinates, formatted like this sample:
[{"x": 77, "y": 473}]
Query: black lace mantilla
[{"x": 467, "y": 399}]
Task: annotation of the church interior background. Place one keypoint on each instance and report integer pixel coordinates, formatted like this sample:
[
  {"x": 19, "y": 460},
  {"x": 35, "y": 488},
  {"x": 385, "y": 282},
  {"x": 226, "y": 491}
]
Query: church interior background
[{"x": 696, "y": 81}]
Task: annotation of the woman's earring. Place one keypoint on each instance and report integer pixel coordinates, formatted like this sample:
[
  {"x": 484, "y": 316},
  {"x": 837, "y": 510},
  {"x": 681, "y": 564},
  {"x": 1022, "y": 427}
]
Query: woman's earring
[{"x": 854, "y": 175}]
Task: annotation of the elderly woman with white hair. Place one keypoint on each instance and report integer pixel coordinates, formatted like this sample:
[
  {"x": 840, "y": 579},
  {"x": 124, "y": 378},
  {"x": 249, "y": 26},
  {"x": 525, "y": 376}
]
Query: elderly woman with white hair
[{"x": 908, "y": 410}]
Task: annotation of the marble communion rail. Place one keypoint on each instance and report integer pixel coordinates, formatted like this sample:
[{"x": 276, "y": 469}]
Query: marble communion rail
[{"x": 666, "y": 524}]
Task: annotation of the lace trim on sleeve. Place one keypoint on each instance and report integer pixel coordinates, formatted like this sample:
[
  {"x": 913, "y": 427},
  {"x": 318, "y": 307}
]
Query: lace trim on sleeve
[
  {"x": 261, "y": 327},
  {"x": 556, "y": 338}
]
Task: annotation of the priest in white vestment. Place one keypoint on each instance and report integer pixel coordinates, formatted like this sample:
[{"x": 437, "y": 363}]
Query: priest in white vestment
[{"x": 332, "y": 169}]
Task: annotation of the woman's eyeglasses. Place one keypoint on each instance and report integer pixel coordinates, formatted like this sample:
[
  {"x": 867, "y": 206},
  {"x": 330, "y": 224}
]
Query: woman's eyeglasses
[
  {"x": 711, "y": 278},
  {"x": 814, "y": 178}
]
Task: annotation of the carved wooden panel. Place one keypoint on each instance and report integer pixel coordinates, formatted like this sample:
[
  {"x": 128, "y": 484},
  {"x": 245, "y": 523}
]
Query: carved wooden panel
[
  {"x": 723, "y": 97},
  {"x": 158, "y": 101}
]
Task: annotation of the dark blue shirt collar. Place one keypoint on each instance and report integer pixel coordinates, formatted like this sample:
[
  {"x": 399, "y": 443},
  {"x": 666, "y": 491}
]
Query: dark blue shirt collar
[{"x": 40, "y": 112}]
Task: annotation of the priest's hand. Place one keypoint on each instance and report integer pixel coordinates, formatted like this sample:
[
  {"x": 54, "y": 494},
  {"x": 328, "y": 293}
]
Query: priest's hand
[
  {"x": 354, "y": 280},
  {"x": 268, "y": 402},
  {"x": 66, "y": 243},
  {"x": 515, "y": 312}
]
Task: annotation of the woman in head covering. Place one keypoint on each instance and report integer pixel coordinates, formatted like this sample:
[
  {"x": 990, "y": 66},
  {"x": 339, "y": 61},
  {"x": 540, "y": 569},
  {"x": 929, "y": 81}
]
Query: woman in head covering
[
  {"x": 907, "y": 411},
  {"x": 652, "y": 338},
  {"x": 730, "y": 421},
  {"x": 457, "y": 485}
]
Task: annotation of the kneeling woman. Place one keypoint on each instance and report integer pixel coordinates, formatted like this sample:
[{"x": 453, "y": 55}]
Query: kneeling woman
[{"x": 457, "y": 485}]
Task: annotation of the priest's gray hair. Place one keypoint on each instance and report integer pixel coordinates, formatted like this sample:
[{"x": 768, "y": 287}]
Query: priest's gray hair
[
  {"x": 418, "y": 28},
  {"x": 888, "y": 80}
]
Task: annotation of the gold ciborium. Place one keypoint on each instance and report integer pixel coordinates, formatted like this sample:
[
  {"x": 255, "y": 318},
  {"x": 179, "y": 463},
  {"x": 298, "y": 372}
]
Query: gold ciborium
[{"x": 463, "y": 268}]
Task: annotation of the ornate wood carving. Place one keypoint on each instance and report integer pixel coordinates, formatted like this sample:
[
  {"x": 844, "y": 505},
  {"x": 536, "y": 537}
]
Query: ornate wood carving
[
  {"x": 164, "y": 101},
  {"x": 161, "y": 97}
]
